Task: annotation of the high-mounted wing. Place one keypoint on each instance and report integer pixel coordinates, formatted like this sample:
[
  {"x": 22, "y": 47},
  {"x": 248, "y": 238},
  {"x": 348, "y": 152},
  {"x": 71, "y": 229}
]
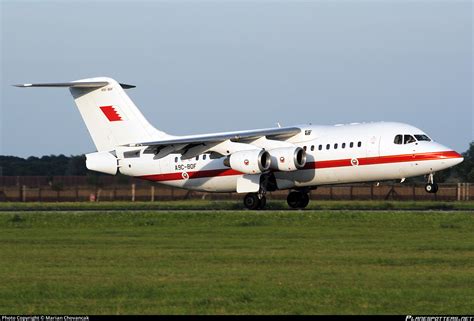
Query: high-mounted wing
[
  {"x": 190, "y": 146},
  {"x": 271, "y": 133}
]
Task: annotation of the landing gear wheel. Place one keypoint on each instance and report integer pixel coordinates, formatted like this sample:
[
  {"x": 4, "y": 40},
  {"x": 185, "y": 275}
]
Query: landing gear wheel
[
  {"x": 253, "y": 202},
  {"x": 263, "y": 202},
  {"x": 431, "y": 188},
  {"x": 292, "y": 199},
  {"x": 304, "y": 200},
  {"x": 298, "y": 199}
]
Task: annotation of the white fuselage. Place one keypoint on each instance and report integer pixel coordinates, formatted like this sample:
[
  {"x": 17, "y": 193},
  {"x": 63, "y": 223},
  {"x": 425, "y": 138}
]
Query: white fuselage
[
  {"x": 248, "y": 161},
  {"x": 335, "y": 154}
]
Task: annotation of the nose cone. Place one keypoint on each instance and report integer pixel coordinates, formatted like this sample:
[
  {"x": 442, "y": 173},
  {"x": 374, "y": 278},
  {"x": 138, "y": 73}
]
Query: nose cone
[
  {"x": 457, "y": 159},
  {"x": 445, "y": 156},
  {"x": 452, "y": 158}
]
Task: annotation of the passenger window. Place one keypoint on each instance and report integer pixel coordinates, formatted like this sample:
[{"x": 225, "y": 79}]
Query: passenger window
[
  {"x": 320, "y": 147},
  {"x": 359, "y": 144},
  {"x": 312, "y": 147},
  {"x": 176, "y": 159},
  {"x": 335, "y": 146},
  {"x": 343, "y": 145},
  {"x": 304, "y": 147},
  {"x": 409, "y": 139},
  {"x": 422, "y": 138},
  {"x": 351, "y": 145},
  {"x": 197, "y": 157},
  {"x": 204, "y": 157},
  {"x": 398, "y": 140},
  {"x": 328, "y": 146}
]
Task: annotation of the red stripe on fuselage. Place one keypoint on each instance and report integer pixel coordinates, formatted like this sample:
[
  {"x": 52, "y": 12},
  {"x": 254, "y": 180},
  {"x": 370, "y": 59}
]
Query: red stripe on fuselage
[
  {"x": 197, "y": 174},
  {"x": 408, "y": 158},
  {"x": 314, "y": 165}
]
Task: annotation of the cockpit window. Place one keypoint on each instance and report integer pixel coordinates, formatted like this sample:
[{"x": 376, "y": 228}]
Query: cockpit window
[
  {"x": 422, "y": 138},
  {"x": 398, "y": 140},
  {"x": 409, "y": 139}
]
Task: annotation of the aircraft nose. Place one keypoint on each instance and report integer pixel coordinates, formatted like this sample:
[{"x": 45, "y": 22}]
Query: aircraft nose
[
  {"x": 458, "y": 159},
  {"x": 455, "y": 158}
]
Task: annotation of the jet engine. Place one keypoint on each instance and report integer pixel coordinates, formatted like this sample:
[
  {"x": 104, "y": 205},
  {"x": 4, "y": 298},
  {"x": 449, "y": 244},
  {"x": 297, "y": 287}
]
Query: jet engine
[
  {"x": 287, "y": 159},
  {"x": 253, "y": 161},
  {"x": 103, "y": 162}
]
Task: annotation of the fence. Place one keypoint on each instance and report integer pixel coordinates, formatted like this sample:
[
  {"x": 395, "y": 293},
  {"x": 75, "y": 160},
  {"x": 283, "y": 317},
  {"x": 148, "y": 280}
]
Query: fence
[{"x": 108, "y": 188}]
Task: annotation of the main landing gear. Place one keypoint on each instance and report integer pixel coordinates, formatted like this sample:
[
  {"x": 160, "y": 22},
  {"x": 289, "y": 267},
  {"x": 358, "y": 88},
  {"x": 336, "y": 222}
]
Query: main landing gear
[
  {"x": 255, "y": 201},
  {"x": 298, "y": 199},
  {"x": 431, "y": 186}
]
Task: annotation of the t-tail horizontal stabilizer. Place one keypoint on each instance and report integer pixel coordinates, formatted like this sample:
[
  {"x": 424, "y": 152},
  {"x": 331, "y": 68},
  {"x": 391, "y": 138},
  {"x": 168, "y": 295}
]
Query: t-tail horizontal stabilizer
[
  {"x": 75, "y": 84},
  {"x": 110, "y": 115}
]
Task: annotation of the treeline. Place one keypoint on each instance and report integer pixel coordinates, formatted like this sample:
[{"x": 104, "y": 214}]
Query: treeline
[
  {"x": 465, "y": 170},
  {"x": 52, "y": 165},
  {"x": 62, "y": 165}
]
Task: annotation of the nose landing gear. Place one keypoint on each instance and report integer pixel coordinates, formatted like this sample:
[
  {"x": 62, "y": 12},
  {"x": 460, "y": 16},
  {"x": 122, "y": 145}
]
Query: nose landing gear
[{"x": 431, "y": 186}]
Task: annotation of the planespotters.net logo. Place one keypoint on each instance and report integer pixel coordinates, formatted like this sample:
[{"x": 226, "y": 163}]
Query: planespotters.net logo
[{"x": 439, "y": 318}]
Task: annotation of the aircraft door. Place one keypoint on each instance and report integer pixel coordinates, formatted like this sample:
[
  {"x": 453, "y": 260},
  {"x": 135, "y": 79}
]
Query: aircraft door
[{"x": 373, "y": 146}]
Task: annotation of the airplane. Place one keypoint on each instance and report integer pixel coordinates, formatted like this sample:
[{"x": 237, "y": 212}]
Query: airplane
[{"x": 254, "y": 162}]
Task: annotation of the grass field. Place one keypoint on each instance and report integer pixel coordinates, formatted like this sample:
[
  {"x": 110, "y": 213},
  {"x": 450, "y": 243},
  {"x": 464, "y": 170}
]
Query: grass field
[
  {"x": 235, "y": 205},
  {"x": 236, "y": 262}
]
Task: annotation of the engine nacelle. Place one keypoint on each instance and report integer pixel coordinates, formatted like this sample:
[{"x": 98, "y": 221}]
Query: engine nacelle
[
  {"x": 103, "y": 162},
  {"x": 253, "y": 161},
  {"x": 287, "y": 159}
]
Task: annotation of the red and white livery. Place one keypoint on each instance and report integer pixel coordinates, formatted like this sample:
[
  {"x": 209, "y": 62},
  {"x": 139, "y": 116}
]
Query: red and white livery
[{"x": 297, "y": 158}]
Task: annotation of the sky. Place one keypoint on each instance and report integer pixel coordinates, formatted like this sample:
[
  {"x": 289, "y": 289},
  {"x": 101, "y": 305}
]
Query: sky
[{"x": 209, "y": 66}]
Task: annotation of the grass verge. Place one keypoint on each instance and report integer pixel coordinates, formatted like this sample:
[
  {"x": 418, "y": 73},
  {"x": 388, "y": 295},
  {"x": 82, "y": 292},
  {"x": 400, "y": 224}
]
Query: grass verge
[
  {"x": 234, "y": 205},
  {"x": 236, "y": 262}
]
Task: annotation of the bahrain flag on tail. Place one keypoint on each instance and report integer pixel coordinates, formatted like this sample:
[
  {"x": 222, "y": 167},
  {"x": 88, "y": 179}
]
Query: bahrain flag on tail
[{"x": 111, "y": 113}]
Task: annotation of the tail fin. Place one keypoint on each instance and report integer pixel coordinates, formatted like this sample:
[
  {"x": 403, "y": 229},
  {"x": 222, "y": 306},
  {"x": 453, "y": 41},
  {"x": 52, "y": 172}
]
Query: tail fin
[{"x": 110, "y": 115}]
